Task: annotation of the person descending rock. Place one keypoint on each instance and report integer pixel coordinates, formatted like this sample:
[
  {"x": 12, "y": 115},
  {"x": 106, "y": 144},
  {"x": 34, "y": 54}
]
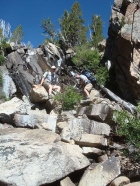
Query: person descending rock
[
  {"x": 50, "y": 80},
  {"x": 85, "y": 84}
]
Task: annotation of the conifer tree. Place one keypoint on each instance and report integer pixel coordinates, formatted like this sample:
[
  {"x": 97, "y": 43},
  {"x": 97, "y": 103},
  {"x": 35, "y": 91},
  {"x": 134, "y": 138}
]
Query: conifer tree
[
  {"x": 72, "y": 26},
  {"x": 97, "y": 30},
  {"x": 17, "y": 35},
  {"x": 49, "y": 28}
]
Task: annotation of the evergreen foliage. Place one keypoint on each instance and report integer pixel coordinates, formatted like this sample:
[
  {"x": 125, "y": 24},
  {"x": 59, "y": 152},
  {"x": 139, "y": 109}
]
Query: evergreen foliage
[
  {"x": 90, "y": 59},
  {"x": 3, "y": 45},
  {"x": 1, "y": 59},
  {"x": 129, "y": 127},
  {"x": 17, "y": 35},
  {"x": 97, "y": 30},
  {"x": 49, "y": 29},
  {"x": 73, "y": 30},
  {"x": 69, "y": 98}
]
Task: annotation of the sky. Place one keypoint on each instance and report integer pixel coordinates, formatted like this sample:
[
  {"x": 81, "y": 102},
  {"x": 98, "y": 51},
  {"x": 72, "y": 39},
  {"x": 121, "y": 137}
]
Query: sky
[{"x": 30, "y": 13}]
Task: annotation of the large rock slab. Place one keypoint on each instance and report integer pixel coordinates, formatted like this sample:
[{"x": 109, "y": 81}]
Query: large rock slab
[
  {"x": 90, "y": 140},
  {"x": 134, "y": 184},
  {"x": 36, "y": 119},
  {"x": 36, "y": 157},
  {"x": 121, "y": 180},
  {"x": 38, "y": 94},
  {"x": 97, "y": 112},
  {"x": 78, "y": 126},
  {"x": 9, "y": 108},
  {"x": 102, "y": 174},
  {"x": 91, "y": 151}
]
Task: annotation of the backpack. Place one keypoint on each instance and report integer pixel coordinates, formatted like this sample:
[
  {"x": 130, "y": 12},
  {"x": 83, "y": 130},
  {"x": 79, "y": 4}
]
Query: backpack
[{"x": 89, "y": 75}]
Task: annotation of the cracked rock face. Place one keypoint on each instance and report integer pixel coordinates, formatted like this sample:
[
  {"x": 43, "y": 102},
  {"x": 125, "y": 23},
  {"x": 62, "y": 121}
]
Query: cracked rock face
[
  {"x": 124, "y": 47},
  {"x": 35, "y": 157},
  {"x": 101, "y": 174}
]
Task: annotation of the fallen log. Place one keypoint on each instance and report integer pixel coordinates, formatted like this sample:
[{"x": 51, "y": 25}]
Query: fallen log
[{"x": 126, "y": 105}]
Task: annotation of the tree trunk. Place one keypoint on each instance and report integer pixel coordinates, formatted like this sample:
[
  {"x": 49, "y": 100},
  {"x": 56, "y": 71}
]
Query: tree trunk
[{"x": 128, "y": 106}]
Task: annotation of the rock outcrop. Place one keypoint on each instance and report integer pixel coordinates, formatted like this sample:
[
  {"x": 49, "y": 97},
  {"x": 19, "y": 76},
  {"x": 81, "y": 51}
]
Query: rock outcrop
[{"x": 123, "y": 45}]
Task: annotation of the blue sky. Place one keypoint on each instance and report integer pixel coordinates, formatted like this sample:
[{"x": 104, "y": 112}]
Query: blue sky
[{"x": 29, "y": 14}]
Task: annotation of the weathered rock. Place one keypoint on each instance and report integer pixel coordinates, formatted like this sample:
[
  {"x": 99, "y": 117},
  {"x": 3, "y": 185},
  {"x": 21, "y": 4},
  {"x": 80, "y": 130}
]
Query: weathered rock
[
  {"x": 133, "y": 184},
  {"x": 97, "y": 112},
  {"x": 120, "y": 181},
  {"x": 39, "y": 51},
  {"x": 94, "y": 93},
  {"x": 9, "y": 108},
  {"x": 66, "y": 182},
  {"x": 91, "y": 151},
  {"x": 78, "y": 126},
  {"x": 38, "y": 94},
  {"x": 124, "y": 30},
  {"x": 94, "y": 127},
  {"x": 90, "y": 140},
  {"x": 21, "y": 51},
  {"x": 102, "y": 174},
  {"x": 5, "y": 126},
  {"x": 103, "y": 158},
  {"x": 36, "y": 157},
  {"x": 66, "y": 134},
  {"x": 36, "y": 119},
  {"x": 53, "y": 49},
  {"x": 61, "y": 125}
]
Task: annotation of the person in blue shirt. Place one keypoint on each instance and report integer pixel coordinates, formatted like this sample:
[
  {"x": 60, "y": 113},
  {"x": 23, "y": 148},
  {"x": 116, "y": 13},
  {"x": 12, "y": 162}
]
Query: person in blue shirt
[{"x": 49, "y": 81}]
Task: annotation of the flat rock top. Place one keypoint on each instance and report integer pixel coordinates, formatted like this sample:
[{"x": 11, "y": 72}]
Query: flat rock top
[{"x": 35, "y": 135}]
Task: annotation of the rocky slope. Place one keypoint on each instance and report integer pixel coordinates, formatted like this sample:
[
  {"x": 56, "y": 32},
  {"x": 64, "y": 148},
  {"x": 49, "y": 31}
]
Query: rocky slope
[{"x": 41, "y": 146}]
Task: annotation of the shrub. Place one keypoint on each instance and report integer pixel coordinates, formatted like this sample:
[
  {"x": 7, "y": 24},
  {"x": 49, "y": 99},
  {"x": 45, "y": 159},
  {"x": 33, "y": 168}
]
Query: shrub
[
  {"x": 69, "y": 98},
  {"x": 90, "y": 59},
  {"x": 1, "y": 59},
  {"x": 4, "y": 44},
  {"x": 122, "y": 22},
  {"x": 129, "y": 126},
  {"x": 5, "y": 98},
  {"x": 86, "y": 57},
  {"x": 102, "y": 75}
]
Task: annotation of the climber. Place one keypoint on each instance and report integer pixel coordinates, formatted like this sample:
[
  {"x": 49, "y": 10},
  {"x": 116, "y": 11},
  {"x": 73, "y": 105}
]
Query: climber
[
  {"x": 85, "y": 84},
  {"x": 49, "y": 81}
]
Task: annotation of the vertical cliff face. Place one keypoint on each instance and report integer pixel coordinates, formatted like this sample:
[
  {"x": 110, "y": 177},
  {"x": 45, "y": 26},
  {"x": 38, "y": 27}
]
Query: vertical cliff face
[{"x": 123, "y": 46}]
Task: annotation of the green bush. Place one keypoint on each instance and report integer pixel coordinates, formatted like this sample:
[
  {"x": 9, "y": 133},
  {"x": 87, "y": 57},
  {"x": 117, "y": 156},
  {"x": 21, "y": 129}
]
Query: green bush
[
  {"x": 129, "y": 126},
  {"x": 122, "y": 22},
  {"x": 69, "y": 98},
  {"x": 102, "y": 75},
  {"x": 90, "y": 59},
  {"x": 86, "y": 57},
  {"x": 1, "y": 59},
  {"x": 5, "y": 98},
  {"x": 4, "y": 44}
]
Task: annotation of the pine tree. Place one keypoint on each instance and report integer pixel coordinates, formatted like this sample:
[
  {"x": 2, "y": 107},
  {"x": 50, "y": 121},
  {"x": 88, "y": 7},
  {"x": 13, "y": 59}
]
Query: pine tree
[
  {"x": 97, "y": 29},
  {"x": 72, "y": 26},
  {"x": 49, "y": 28},
  {"x": 17, "y": 35}
]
